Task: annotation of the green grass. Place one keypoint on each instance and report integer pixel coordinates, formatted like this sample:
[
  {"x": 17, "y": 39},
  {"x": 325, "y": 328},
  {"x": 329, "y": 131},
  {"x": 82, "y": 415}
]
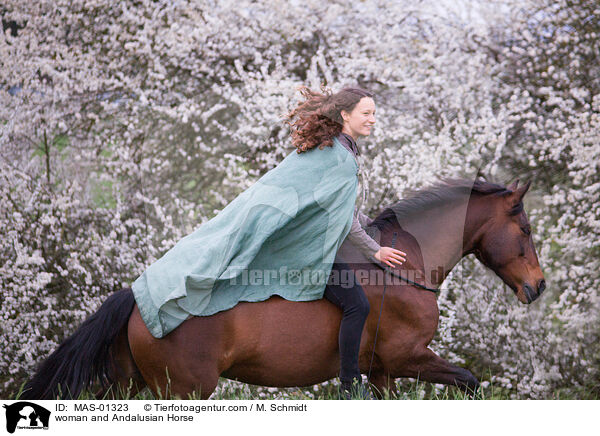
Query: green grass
[
  {"x": 233, "y": 390},
  {"x": 408, "y": 389}
]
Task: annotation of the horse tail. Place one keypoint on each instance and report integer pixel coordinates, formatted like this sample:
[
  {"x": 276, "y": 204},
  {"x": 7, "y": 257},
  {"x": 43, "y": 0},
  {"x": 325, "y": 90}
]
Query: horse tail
[{"x": 83, "y": 357}]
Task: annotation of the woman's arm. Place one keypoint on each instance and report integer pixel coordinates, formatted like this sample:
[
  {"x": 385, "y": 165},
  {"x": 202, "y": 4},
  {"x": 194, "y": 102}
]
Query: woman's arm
[
  {"x": 367, "y": 245},
  {"x": 363, "y": 219}
]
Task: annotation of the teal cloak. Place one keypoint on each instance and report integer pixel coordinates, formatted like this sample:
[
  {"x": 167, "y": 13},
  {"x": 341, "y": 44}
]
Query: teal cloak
[{"x": 278, "y": 237}]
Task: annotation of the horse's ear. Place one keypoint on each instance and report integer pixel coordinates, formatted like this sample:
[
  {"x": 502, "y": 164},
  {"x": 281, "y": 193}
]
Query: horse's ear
[
  {"x": 513, "y": 186},
  {"x": 516, "y": 196},
  {"x": 520, "y": 193}
]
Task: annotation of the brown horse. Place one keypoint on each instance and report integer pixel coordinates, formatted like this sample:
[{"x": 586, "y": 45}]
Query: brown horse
[{"x": 283, "y": 343}]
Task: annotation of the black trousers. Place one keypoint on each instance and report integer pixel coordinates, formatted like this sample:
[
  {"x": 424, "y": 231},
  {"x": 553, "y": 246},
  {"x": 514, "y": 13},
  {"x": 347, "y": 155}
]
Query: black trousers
[{"x": 345, "y": 292}]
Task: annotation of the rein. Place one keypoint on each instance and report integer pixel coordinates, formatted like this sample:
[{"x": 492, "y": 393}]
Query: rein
[
  {"x": 395, "y": 274},
  {"x": 387, "y": 269}
]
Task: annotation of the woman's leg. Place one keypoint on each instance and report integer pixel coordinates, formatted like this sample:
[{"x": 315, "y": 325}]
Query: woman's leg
[{"x": 343, "y": 291}]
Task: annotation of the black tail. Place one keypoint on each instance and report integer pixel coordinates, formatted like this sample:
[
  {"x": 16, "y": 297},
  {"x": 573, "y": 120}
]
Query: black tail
[{"x": 84, "y": 357}]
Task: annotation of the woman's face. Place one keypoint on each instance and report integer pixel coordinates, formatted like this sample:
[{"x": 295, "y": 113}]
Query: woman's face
[{"x": 360, "y": 121}]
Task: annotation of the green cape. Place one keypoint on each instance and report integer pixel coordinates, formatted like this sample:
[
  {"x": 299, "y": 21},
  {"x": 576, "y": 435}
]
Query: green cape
[{"x": 280, "y": 236}]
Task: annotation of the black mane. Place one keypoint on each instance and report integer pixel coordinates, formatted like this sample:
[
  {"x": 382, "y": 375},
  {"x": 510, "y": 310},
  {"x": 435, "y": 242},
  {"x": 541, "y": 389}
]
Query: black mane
[{"x": 440, "y": 193}]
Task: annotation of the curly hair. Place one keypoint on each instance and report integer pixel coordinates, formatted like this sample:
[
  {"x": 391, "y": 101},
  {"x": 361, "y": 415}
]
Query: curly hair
[{"x": 319, "y": 116}]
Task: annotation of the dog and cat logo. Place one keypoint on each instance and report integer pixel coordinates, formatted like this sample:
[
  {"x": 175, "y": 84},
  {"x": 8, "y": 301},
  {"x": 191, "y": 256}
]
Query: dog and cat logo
[{"x": 26, "y": 415}]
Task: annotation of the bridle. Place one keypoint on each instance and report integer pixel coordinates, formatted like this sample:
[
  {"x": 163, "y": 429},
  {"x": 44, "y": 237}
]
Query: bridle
[{"x": 390, "y": 272}]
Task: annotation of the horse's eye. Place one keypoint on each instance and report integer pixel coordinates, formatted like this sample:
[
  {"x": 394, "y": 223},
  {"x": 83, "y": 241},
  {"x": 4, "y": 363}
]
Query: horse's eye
[{"x": 526, "y": 230}]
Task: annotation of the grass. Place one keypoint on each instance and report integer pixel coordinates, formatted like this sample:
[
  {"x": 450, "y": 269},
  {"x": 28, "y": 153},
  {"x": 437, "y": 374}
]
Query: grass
[{"x": 408, "y": 389}]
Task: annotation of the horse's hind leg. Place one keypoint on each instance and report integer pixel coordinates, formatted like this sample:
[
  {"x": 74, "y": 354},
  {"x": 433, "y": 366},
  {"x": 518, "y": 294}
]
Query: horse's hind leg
[
  {"x": 128, "y": 380},
  {"x": 430, "y": 367},
  {"x": 195, "y": 382},
  {"x": 204, "y": 383},
  {"x": 383, "y": 382},
  {"x": 186, "y": 362}
]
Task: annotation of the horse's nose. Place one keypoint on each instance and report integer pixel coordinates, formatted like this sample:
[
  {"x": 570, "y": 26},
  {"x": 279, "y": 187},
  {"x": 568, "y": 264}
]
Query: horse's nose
[
  {"x": 541, "y": 286},
  {"x": 529, "y": 294}
]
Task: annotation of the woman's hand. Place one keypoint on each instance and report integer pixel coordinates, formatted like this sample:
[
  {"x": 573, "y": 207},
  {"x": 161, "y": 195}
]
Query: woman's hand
[{"x": 389, "y": 254}]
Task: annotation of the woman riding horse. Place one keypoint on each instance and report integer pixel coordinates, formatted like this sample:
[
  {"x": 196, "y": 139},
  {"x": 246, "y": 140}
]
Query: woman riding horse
[
  {"x": 346, "y": 115},
  {"x": 296, "y": 216},
  {"x": 312, "y": 193}
]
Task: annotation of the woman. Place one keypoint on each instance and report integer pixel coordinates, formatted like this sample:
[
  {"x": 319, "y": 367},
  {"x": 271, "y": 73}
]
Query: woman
[
  {"x": 281, "y": 235},
  {"x": 346, "y": 116}
]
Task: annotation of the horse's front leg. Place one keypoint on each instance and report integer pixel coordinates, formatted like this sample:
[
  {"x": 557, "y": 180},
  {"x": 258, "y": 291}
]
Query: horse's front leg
[
  {"x": 428, "y": 366},
  {"x": 383, "y": 382}
]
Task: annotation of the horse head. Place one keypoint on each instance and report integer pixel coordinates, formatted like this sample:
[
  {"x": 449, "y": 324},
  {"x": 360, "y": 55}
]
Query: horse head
[{"x": 505, "y": 245}]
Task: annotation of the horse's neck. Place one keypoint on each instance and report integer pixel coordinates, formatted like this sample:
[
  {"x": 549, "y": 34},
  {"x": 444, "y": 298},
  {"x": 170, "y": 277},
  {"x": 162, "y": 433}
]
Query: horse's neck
[{"x": 443, "y": 237}]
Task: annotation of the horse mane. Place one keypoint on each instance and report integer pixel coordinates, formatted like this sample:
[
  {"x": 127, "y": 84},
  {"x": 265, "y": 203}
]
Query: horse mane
[{"x": 440, "y": 193}]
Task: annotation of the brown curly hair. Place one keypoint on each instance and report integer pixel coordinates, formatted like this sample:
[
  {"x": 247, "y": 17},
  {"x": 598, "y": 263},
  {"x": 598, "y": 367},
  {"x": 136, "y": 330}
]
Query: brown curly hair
[{"x": 319, "y": 116}]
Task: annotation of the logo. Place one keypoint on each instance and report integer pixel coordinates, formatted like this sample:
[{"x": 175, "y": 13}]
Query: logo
[{"x": 26, "y": 415}]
